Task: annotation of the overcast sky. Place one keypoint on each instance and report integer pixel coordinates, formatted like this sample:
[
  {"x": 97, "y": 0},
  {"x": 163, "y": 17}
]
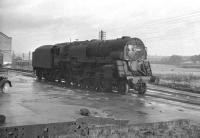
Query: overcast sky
[{"x": 166, "y": 26}]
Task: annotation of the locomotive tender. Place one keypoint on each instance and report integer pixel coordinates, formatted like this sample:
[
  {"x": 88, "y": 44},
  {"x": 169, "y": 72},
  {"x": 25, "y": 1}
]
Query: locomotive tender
[{"x": 119, "y": 65}]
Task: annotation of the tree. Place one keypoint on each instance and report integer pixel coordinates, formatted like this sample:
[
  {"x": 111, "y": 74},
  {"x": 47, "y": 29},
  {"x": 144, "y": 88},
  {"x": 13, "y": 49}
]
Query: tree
[
  {"x": 175, "y": 60},
  {"x": 195, "y": 58}
]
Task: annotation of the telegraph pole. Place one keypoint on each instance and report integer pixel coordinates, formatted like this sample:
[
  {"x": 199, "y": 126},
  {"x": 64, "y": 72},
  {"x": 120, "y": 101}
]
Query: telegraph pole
[
  {"x": 22, "y": 56},
  {"x": 29, "y": 56},
  {"x": 102, "y": 35}
]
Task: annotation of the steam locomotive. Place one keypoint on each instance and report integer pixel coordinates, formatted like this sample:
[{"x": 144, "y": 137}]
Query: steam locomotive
[{"x": 110, "y": 65}]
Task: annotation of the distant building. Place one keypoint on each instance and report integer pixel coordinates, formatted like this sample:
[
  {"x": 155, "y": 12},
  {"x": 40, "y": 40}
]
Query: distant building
[{"x": 6, "y": 47}]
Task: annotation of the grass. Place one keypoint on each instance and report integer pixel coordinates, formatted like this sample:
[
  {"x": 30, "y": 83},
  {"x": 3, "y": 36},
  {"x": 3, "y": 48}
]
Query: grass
[{"x": 178, "y": 78}]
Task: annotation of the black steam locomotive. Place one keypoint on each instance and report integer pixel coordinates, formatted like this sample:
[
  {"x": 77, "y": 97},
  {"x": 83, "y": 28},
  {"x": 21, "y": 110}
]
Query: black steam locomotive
[{"x": 111, "y": 65}]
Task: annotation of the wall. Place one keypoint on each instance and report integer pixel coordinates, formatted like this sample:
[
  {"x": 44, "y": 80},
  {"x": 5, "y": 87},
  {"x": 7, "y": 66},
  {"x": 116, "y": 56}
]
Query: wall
[
  {"x": 104, "y": 128},
  {"x": 6, "y": 47}
]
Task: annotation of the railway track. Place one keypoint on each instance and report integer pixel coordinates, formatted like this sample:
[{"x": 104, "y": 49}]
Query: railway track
[
  {"x": 21, "y": 70},
  {"x": 174, "y": 95},
  {"x": 178, "y": 96},
  {"x": 177, "y": 92}
]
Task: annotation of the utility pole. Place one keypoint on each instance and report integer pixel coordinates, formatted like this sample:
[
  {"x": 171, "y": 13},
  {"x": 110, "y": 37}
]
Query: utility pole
[
  {"x": 29, "y": 58},
  {"x": 102, "y": 35},
  {"x": 22, "y": 56}
]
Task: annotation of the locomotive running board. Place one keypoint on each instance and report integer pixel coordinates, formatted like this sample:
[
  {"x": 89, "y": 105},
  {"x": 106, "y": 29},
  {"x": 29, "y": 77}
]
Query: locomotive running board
[{"x": 103, "y": 127}]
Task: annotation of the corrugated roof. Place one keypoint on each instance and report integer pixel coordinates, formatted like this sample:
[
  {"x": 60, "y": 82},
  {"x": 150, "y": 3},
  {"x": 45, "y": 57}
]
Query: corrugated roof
[{"x": 4, "y": 35}]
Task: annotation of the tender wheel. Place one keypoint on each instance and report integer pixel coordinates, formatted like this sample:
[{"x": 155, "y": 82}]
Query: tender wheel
[
  {"x": 107, "y": 86},
  {"x": 82, "y": 85},
  {"x": 142, "y": 88},
  {"x": 5, "y": 88},
  {"x": 123, "y": 87},
  {"x": 99, "y": 86},
  {"x": 39, "y": 75},
  {"x": 92, "y": 85}
]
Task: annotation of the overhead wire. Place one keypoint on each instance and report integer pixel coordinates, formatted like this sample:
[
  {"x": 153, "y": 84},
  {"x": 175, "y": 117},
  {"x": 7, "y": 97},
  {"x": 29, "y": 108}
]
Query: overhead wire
[{"x": 166, "y": 26}]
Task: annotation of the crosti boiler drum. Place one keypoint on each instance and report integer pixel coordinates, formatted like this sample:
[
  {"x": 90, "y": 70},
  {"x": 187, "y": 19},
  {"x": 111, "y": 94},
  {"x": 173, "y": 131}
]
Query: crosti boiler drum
[{"x": 134, "y": 52}]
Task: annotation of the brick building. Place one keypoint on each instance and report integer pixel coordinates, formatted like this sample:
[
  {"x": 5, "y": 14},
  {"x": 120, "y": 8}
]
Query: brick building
[{"x": 6, "y": 47}]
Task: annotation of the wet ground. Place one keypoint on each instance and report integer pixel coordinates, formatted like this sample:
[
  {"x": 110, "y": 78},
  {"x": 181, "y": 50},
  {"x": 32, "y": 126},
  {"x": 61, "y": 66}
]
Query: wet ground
[{"x": 33, "y": 102}]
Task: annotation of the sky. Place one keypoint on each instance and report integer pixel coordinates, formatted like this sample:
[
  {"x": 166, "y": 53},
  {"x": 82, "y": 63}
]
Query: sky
[{"x": 166, "y": 27}]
